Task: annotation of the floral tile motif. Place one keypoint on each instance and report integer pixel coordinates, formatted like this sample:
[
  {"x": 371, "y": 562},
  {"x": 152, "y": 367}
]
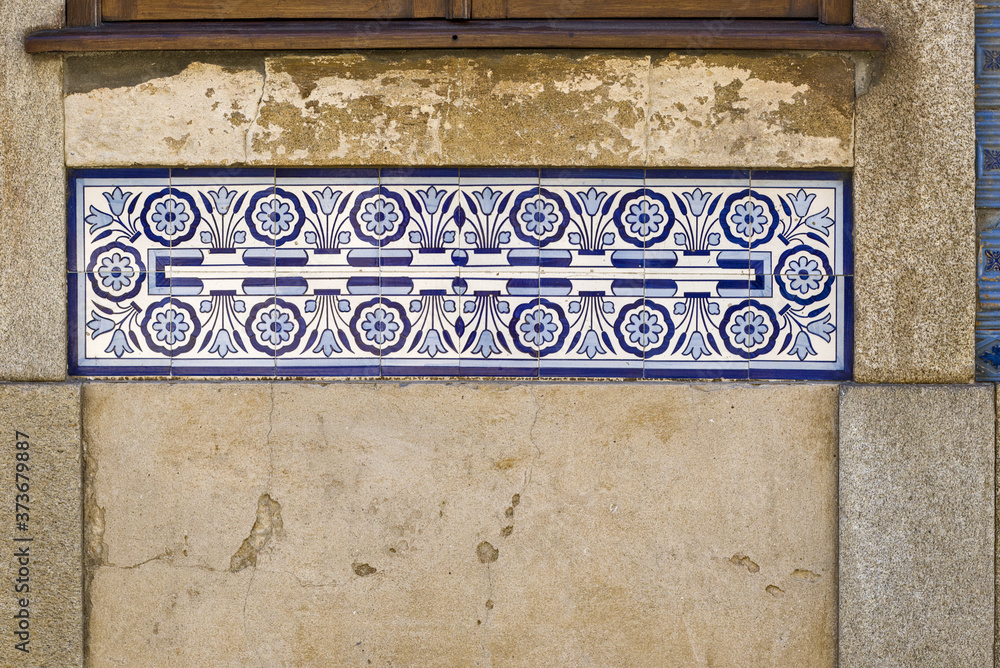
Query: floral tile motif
[{"x": 471, "y": 272}]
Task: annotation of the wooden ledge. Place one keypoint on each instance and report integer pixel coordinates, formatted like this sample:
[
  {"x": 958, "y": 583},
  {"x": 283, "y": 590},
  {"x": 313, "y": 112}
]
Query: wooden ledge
[{"x": 440, "y": 34}]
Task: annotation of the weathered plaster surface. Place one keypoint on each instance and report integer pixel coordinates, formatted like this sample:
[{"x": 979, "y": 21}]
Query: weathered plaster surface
[
  {"x": 199, "y": 115},
  {"x": 917, "y": 526},
  {"x": 482, "y": 108},
  {"x": 49, "y": 416},
  {"x": 751, "y": 110},
  {"x": 915, "y": 223},
  {"x": 32, "y": 200},
  {"x": 462, "y": 524}
]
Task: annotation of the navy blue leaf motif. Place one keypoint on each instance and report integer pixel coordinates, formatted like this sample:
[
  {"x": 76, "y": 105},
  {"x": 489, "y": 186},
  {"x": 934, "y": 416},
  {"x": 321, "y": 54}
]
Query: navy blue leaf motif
[
  {"x": 131, "y": 207},
  {"x": 312, "y": 207},
  {"x": 784, "y": 205},
  {"x": 816, "y": 312},
  {"x": 103, "y": 309},
  {"x": 788, "y": 339},
  {"x": 470, "y": 341},
  {"x": 715, "y": 203},
  {"x": 503, "y": 340},
  {"x": 135, "y": 339},
  {"x": 312, "y": 339},
  {"x": 415, "y": 202},
  {"x": 576, "y": 339},
  {"x": 447, "y": 339},
  {"x": 102, "y": 235},
  {"x": 208, "y": 205},
  {"x": 607, "y": 341},
  {"x": 204, "y": 344},
  {"x": 573, "y": 202},
  {"x": 680, "y": 342},
  {"x": 504, "y": 202},
  {"x": 680, "y": 204},
  {"x": 460, "y": 326},
  {"x": 239, "y": 340},
  {"x": 343, "y": 339},
  {"x": 447, "y": 203},
  {"x": 343, "y": 205},
  {"x": 472, "y": 204},
  {"x": 816, "y": 237},
  {"x": 416, "y": 341},
  {"x": 460, "y": 217},
  {"x": 711, "y": 342},
  {"x": 239, "y": 204},
  {"x": 607, "y": 206}
]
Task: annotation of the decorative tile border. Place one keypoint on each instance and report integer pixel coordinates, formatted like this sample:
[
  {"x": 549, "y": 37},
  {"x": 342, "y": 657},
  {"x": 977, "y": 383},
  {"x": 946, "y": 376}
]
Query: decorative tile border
[
  {"x": 471, "y": 272},
  {"x": 988, "y": 187}
]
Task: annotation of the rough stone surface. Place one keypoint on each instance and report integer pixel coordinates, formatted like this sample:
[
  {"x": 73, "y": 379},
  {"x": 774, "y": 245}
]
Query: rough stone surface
[
  {"x": 463, "y": 108},
  {"x": 461, "y": 524},
  {"x": 162, "y": 110},
  {"x": 32, "y": 199},
  {"x": 49, "y": 415},
  {"x": 916, "y": 526},
  {"x": 915, "y": 223}
]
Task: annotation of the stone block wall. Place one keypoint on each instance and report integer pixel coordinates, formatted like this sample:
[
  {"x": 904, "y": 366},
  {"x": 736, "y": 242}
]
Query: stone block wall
[{"x": 447, "y": 523}]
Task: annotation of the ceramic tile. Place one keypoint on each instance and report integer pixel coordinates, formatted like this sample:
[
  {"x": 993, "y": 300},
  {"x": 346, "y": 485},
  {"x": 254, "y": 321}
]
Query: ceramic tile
[
  {"x": 801, "y": 219},
  {"x": 808, "y": 337},
  {"x": 116, "y": 333},
  {"x": 471, "y": 272},
  {"x": 988, "y": 347},
  {"x": 238, "y": 324}
]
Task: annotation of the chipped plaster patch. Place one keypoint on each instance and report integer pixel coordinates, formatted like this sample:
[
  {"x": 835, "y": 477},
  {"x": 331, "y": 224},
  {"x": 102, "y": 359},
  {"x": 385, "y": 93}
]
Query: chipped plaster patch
[
  {"x": 171, "y": 120},
  {"x": 751, "y": 111}
]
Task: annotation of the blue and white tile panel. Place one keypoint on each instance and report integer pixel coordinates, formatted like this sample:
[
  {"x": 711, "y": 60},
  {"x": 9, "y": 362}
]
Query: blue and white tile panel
[{"x": 471, "y": 272}]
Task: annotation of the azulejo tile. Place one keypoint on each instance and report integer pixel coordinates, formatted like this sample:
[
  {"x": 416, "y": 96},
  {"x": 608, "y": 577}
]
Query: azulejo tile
[{"x": 471, "y": 272}]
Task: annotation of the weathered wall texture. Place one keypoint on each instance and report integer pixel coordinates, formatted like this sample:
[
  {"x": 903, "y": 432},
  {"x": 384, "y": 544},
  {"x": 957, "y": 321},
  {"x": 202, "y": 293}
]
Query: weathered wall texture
[
  {"x": 914, "y": 237},
  {"x": 917, "y": 526},
  {"x": 462, "y": 524},
  {"x": 483, "y": 108},
  {"x": 48, "y": 419},
  {"x": 32, "y": 200}
]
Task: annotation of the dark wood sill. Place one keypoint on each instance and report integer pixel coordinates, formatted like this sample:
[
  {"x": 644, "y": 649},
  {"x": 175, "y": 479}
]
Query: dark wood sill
[{"x": 440, "y": 34}]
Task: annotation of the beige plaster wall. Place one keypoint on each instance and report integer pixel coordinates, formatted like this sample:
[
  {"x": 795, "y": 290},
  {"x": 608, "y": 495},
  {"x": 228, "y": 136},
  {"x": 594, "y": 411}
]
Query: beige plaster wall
[{"x": 463, "y": 524}]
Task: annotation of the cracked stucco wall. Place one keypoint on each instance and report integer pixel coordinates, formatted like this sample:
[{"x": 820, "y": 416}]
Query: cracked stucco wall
[{"x": 439, "y": 524}]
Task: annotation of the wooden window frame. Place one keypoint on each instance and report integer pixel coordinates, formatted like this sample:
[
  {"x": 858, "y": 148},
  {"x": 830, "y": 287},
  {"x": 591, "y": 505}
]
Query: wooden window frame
[{"x": 465, "y": 24}]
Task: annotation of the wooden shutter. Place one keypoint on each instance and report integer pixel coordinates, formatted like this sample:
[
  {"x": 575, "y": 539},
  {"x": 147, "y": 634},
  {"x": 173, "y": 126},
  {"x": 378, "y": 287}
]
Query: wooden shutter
[
  {"x": 827, "y": 11},
  {"x": 707, "y": 9},
  {"x": 196, "y": 10}
]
